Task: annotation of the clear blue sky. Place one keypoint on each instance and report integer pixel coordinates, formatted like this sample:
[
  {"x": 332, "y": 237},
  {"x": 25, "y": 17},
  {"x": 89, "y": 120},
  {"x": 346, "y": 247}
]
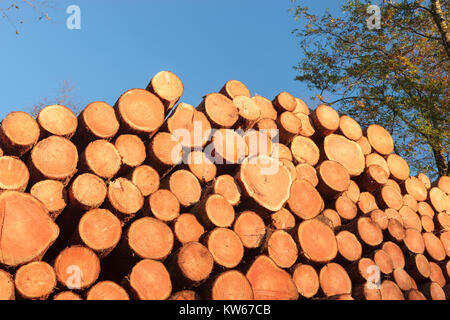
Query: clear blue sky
[{"x": 123, "y": 43}]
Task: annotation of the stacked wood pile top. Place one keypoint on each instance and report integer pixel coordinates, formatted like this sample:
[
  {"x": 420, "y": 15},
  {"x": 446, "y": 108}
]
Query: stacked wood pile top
[{"x": 242, "y": 197}]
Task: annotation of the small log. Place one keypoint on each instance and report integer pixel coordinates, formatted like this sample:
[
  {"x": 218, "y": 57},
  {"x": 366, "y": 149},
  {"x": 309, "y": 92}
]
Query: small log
[
  {"x": 349, "y": 248},
  {"x": 380, "y": 218},
  {"x": 365, "y": 146},
  {"x": 214, "y": 211},
  {"x": 53, "y": 158},
  {"x": 229, "y": 285},
  {"x": 269, "y": 282},
  {"x": 139, "y": 112},
  {"x": 184, "y": 295},
  {"x": 389, "y": 197},
  {"x": 281, "y": 151},
  {"x": 164, "y": 205},
  {"x": 6, "y": 286},
  {"x": 395, "y": 231},
  {"x": 402, "y": 279},
  {"x": 326, "y": 120},
  {"x": 265, "y": 107},
  {"x": 398, "y": 167},
  {"x": 353, "y": 191},
  {"x": 35, "y": 281},
  {"x": 100, "y": 231},
  {"x": 258, "y": 143},
  {"x": 410, "y": 218},
  {"x": 19, "y": 132},
  {"x": 284, "y": 101},
  {"x": 107, "y": 290},
  {"x": 190, "y": 265},
  {"x": 425, "y": 180},
  {"x": 395, "y": 253},
  {"x": 304, "y": 200},
  {"x": 225, "y": 247},
  {"x": 52, "y": 194},
  {"x": 334, "y": 280},
  {"x": 362, "y": 271},
  {"x": 178, "y": 182},
  {"x": 150, "y": 280},
  {"x": 375, "y": 158},
  {"x": 57, "y": 120},
  {"x": 190, "y": 126},
  {"x": 443, "y": 221},
  {"x": 434, "y": 248},
  {"x": 259, "y": 176},
  {"x": 131, "y": 150},
  {"x": 146, "y": 179},
  {"x": 87, "y": 191},
  {"x": 383, "y": 260},
  {"x": 436, "y": 274},
  {"x": 394, "y": 184},
  {"x": 445, "y": 239},
  {"x": 439, "y": 200},
  {"x": 250, "y": 228},
  {"x": 226, "y": 186},
  {"x": 331, "y": 217},
  {"x": 77, "y": 267},
  {"x": 433, "y": 291},
  {"x": 418, "y": 267},
  {"x": 366, "y": 230},
  {"x": 380, "y": 139},
  {"x": 220, "y": 110},
  {"x": 248, "y": 110},
  {"x": 367, "y": 203},
  {"x": 14, "y": 174},
  {"x": 27, "y": 229},
  {"x": 308, "y": 173},
  {"x": 66, "y": 296},
  {"x": 427, "y": 224},
  {"x": 415, "y": 295},
  {"x": 289, "y": 126},
  {"x": 164, "y": 152},
  {"x": 187, "y": 228},
  {"x": 346, "y": 152},
  {"x": 167, "y": 87},
  {"x": 390, "y": 291},
  {"x": 229, "y": 147},
  {"x": 283, "y": 219},
  {"x": 102, "y": 159},
  {"x": 349, "y": 128},
  {"x": 333, "y": 178},
  {"x": 306, "y": 280},
  {"x": 443, "y": 184},
  {"x": 413, "y": 241},
  {"x": 317, "y": 241},
  {"x": 124, "y": 199},
  {"x": 234, "y": 88},
  {"x": 346, "y": 208},
  {"x": 373, "y": 178},
  {"x": 282, "y": 248},
  {"x": 201, "y": 166},
  {"x": 267, "y": 125},
  {"x": 415, "y": 188},
  {"x": 307, "y": 125},
  {"x": 304, "y": 150},
  {"x": 301, "y": 107},
  {"x": 411, "y": 202},
  {"x": 425, "y": 209}
]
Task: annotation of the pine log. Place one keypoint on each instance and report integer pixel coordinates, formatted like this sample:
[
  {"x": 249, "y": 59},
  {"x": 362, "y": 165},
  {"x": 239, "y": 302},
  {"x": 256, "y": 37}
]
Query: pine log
[
  {"x": 248, "y": 110},
  {"x": 107, "y": 290},
  {"x": 418, "y": 267},
  {"x": 19, "y": 132},
  {"x": 398, "y": 167},
  {"x": 346, "y": 152},
  {"x": 300, "y": 107},
  {"x": 349, "y": 128},
  {"x": 334, "y": 280},
  {"x": 307, "y": 125},
  {"x": 146, "y": 179},
  {"x": 150, "y": 280},
  {"x": 57, "y": 120},
  {"x": 250, "y": 228},
  {"x": 185, "y": 295},
  {"x": 353, "y": 192},
  {"x": 333, "y": 178},
  {"x": 317, "y": 241},
  {"x": 326, "y": 120},
  {"x": 66, "y": 296},
  {"x": 349, "y": 248},
  {"x": 164, "y": 152},
  {"x": 395, "y": 253},
  {"x": 308, "y": 173},
  {"x": 425, "y": 180},
  {"x": 225, "y": 247},
  {"x": 220, "y": 110},
  {"x": 413, "y": 241},
  {"x": 436, "y": 274},
  {"x": 282, "y": 248},
  {"x": 284, "y": 101},
  {"x": 380, "y": 218},
  {"x": 375, "y": 158},
  {"x": 164, "y": 205},
  {"x": 187, "y": 228},
  {"x": 214, "y": 211},
  {"x": 414, "y": 187},
  {"x": 87, "y": 191},
  {"x": 306, "y": 280},
  {"x": 346, "y": 208},
  {"x": 443, "y": 183},
  {"x": 52, "y": 194},
  {"x": 14, "y": 174},
  {"x": 124, "y": 199},
  {"x": 234, "y": 88},
  {"x": 380, "y": 139},
  {"x": 304, "y": 200},
  {"x": 229, "y": 285},
  {"x": 202, "y": 166},
  {"x": 439, "y": 200},
  {"x": 390, "y": 291},
  {"x": 289, "y": 126},
  {"x": 266, "y": 107},
  {"x": 226, "y": 186},
  {"x": 6, "y": 286},
  {"x": 332, "y": 218},
  {"x": 433, "y": 291},
  {"x": 131, "y": 150},
  {"x": 168, "y": 87},
  {"x": 35, "y": 281},
  {"x": 410, "y": 218},
  {"x": 402, "y": 279},
  {"x": 283, "y": 219},
  {"x": 102, "y": 159},
  {"x": 365, "y": 145},
  {"x": 185, "y": 187},
  {"x": 434, "y": 248},
  {"x": 304, "y": 150}
]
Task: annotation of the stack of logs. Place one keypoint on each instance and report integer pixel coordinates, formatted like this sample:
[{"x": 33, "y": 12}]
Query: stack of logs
[{"x": 147, "y": 201}]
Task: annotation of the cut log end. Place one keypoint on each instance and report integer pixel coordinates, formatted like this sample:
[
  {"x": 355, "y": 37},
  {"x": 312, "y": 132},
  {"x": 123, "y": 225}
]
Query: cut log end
[
  {"x": 334, "y": 280},
  {"x": 201, "y": 166},
  {"x": 6, "y": 286},
  {"x": 177, "y": 184},
  {"x": 35, "y": 281},
  {"x": 284, "y": 102},
  {"x": 52, "y": 194},
  {"x": 187, "y": 228},
  {"x": 58, "y": 120},
  {"x": 234, "y": 88},
  {"x": 14, "y": 174},
  {"x": 226, "y": 186},
  {"x": 350, "y": 128},
  {"x": 146, "y": 179},
  {"x": 107, "y": 290},
  {"x": 87, "y": 191},
  {"x": 283, "y": 220},
  {"x": 168, "y": 87},
  {"x": 226, "y": 247},
  {"x": 304, "y": 200},
  {"x": 67, "y": 296},
  {"x": 150, "y": 280},
  {"x": 231, "y": 285},
  {"x": 265, "y": 107},
  {"x": 19, "y": 132},
  {"x": 131, "y": 150},
  {"x": 333, "y": 177},
  {"x": 317, "y": 241},
  {"x": 304, "y": 150},
  {"x": 398, "y": 167},
  {"x": 282, "y": 249},
  {"x": 125, "y": 197},
  {"x": 220, "y": 110},
  {"x": 250, "y": 228},
  {"x": 326, "y": 120},
  {"x": 102, "y": 158},
  {"x": 306, "y": 280},
  {"x": 395, "y": 253},
  {"x": 347, "y": 152},
  {"x": 164, "y": 205},
  {"x": 195, "y": 261},
  {"x": 390, "y": 291},
  {"x": 380, "y": 139},
  {"x": 98, "y": 121},
  {"x": 348, "y": 246}
]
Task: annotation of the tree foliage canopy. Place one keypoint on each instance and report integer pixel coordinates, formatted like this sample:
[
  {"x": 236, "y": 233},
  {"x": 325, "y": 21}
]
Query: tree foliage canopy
[{"x": 396, "y": 76}]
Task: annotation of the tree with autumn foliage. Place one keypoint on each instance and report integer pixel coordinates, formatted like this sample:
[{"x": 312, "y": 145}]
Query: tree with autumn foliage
[{"x": 397, "y": 75}]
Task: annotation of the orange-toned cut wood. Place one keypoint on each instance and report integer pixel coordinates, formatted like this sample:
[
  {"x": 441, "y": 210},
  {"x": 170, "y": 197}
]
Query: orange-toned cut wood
[
  {"x": 248, "y": 110},
  {"x": 269, "y": 282},
  {"x": 333, "y": 178},
  {"x": 57, "y": 120},
  {"x": 267, "y": 126},
  {"x": 306, "y": 280},
  {"x": 186, "y": 187},
  {"x": 131, "y": 150},
  {"x": 304, "y": 200},
  {"x": 229, "y": 147},
  {"x": 410, "y": 218},
  {"x": 289, "y": 126},
  {"x": 304, "y": 150},
  {"x": 415, "y": 295},
  {"x": 411, "y": 202},
  {"x": 375, "y": 158},
  {"x": 220, "y": 110},
  {"x": 436, "y": 274},
  {"x": 146, "y": 179},
  {"x": 150, "y": 238},
  {"x": 367, "y": 203},
  {"x": 398, "y": 167},
  {"x": 164, "y": 152},
  {"x": 283, "y": 220},
  {"x": 427, "y": 224},
  {"x": 52, "y": 194},
  {"x": 380, "y": 139},
  {"x": 349, "y": 248},
  {"x": 281, "y": 151},
  {"x": 107, "y": 290},
  {"x": 394, "y": 184},
  {"x": 390, "y": 291},
  {"x": 334, "y": 280},
  {"x": 226, "y": 186},
  {"x": 373, "y": 178},
  {"x": 402, "y": 279},
  {"x": 346, "y": 152},
  {"x": 259, "y": 176},
  {"x": 53, "y": 158},
  {"x": 443, "y": 221},
  {"x": 444, "y": 184},
  {"x": 164, "y": 205},
  {"x": 184, "y": 295},
  {"x": 332, "y": 218},
  {"x": 326, "y": 120},
  {"x": 353, "y": 191},
  {"x": 124, "y": 198},
  {"x": 150, "y": 280},
  {"x": 265, "y": 107},
  {"x": 445, "y": 239},
  {"x": 395, "y": 253},
  {"x": 389, "y": 197},
  {"x": 100, "y": 231},
  {"x": 97, "y": 121},
  {"x": 19, "y": 132},
  {"x": 414, "y": 241},
  {"x": 317, "y": 241},
  {"x": 367, "y": 231},
  {"x": 439, "y": 200},
  {"x": 14, "y": 174},
  {"x": 350, "y": 128},
  {"x": 362, "y": 271},
  {"x": 102, "y": 158},
  {"x": 416, "y": 188},
  {"x": 67, "y": 296},
  {"x": 258, "y": 143},
  {"x": 308, "y": 173},
  {"x": 233, "y": 88},
  {"x": 300, "y": 107},
  {"x": 282, "y": 248},
  {"x": 225, "y": 246},
  {"x": 346, "y": 208},
  {"x": 250, "y": 228},
  {"x": 168, "y": 87},
  {"x": 425, "y": 209},
  {"x": 139, "y": 111},
  {"x": 433, "y": 291},
  {"x": 395, "y": 231},
  {"x": 284, "y": 101},
  {"x": 87, "y": 191},
  {"x": 202, "y": 166},
  {"x": 231, "y": 285},
  {"x": 433, "y": 246},
  {"x": 77, "y": 267},
  {"x": 27, "y": 230},
  {"x": 380, "y": 218},
  {"x": 214, "y": 211},
  {"x": 35, "y": 281},
  {"x": 6, "y": 286},
  {"x": 383, "y": 260},
  {"x": 424, "y": 179},
  {"x": 365, "y": 145},
  {"x": 366, "y": 291},
  {"x": 187, "y": 228}
]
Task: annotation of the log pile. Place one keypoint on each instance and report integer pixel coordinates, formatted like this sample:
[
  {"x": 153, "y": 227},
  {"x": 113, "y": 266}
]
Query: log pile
[{"x": 239, "y": 198}]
